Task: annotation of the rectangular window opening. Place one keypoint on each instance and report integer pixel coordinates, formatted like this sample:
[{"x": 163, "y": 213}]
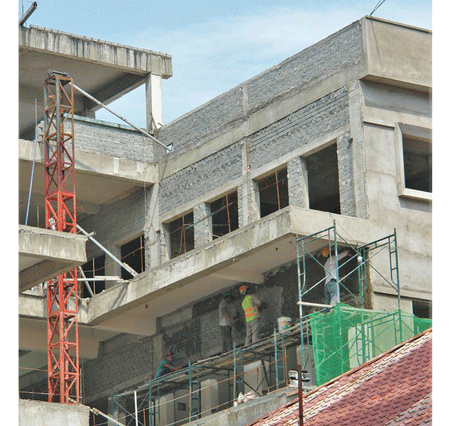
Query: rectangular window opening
[
  {"x": 323, "y": 180},
  {"x": 181, "y": 235},
  {"x": 422, "y": 309},
  {"x": 133, "y": 254},
  {"x": 224, "y": 215},
  {"x": 417, "y": 159},
  {"x": 273, "y": 192},
  {"x": 93, "y": 268}
]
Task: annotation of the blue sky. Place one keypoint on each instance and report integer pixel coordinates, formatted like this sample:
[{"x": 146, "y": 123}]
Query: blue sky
[{"x": 215, "y": 45}]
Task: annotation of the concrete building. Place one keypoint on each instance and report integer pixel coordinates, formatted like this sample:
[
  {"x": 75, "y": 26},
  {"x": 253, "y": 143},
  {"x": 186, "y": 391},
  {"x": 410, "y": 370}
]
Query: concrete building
[{"x": 339, "y": 133}]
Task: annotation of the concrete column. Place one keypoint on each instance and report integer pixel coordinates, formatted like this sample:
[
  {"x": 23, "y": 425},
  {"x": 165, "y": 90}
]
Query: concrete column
[
  {"x": 298, "y": 183},
  {"x": 209, "y": 396},
  {"x": 152, "y": 229},
  {"x": 248, "y": 202},
  {"x": 202, "y": 225},
  {"x": 248, "y": 192},
  {"x": 346, "y": 185},
  {"x": 153, "y": 96},
  {"x": 357, "y": 135},
  {"x": 112, "y": 268},
  {"x": 167, "y": 409}
]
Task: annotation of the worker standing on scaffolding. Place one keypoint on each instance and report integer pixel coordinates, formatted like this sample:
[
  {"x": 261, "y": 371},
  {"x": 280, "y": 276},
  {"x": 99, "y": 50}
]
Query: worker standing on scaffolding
[
  {"x": 250, "y": 305},
  {"x": 331, "y": 276},
  {"x": 166, "y": 366},
  {"x": 227, "y": 318}
]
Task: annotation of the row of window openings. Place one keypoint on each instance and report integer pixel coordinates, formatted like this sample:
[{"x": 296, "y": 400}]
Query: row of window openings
[
  {"x": 323, "y": 193},
  {"x": 273, "y": 196}
]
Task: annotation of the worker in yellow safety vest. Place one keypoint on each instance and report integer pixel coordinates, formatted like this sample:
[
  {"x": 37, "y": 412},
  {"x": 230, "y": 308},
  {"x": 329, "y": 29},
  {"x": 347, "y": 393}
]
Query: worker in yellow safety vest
[{"x": 250, "y": 305}]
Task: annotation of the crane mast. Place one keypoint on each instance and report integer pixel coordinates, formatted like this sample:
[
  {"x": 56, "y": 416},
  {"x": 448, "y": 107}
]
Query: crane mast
[{"x": 60, "y": 215}]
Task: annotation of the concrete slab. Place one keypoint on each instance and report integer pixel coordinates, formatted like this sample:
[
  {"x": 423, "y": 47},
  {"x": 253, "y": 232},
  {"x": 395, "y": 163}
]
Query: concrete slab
[
  {"x": 249, "y": 411},
  {"x": 104, "y": 69},
  {"x": 44, "y": 254},
  {"x": 32, "y": 413}
]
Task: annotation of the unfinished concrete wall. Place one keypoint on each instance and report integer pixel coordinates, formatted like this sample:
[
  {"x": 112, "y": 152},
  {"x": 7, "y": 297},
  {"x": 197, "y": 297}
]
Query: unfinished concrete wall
[
  {"x": 317, "y": 63},
  {"x": 124, "y": 359},
  {"x": 33, "y": 413},
  {"x": 386, "y": 109},
  {"x": 191, "y": 332},
  {"x": 297, "y": 129},
  {"x": 116, "y": 140},
  {"x": 118, "y": 222},
  {"x": 200, "y": 178},
  {"x": 214, "y": 118}
]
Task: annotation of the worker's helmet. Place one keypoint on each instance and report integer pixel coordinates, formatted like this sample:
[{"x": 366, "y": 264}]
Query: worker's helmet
[
  {"x": 168, "y": 353},
  {"x": 243, "y": 289},
  {"x": 325, "y": 252}
]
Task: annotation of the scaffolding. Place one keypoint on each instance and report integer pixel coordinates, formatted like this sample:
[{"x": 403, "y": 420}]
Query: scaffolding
[
  {"x": 331, "y": 340},
  {"x": 270, "y": 351},
  {"x": 307, "y": 249}
]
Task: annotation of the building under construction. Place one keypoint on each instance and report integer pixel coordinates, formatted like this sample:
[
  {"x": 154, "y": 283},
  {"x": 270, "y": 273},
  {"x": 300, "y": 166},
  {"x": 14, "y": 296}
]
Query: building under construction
[{"x": 129, "y": 237}]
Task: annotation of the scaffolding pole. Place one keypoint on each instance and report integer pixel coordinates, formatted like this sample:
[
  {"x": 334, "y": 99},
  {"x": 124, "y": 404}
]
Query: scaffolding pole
[{"x": 363, "y": 254}]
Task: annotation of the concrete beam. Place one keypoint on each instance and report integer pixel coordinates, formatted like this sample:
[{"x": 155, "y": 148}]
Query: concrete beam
[
  {"x": 397, "y": 54},
  {"x": 44, "y": 254},
  {"x": 87, "y": 49},
  {"x": 110, "y": 93},
  {"x": 99, "y": 164}
]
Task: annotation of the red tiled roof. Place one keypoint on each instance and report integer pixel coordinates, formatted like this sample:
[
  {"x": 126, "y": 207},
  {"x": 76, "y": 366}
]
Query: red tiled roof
[{"x": 393, "y": 389}]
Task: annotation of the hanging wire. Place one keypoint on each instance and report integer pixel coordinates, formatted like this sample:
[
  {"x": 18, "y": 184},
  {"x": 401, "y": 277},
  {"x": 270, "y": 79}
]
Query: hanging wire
[
  {"x": 380, "y": 2},
  {"x": 34, "y": 162}
]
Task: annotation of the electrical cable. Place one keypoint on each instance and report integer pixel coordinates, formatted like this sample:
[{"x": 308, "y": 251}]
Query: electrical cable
[
  {"x": 380, "y": 2},
  {"x": 33, "y": 164}
]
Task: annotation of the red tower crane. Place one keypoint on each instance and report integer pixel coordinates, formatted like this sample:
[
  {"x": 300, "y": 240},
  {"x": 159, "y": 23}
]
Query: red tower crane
[{"x": 60, "y": 215}]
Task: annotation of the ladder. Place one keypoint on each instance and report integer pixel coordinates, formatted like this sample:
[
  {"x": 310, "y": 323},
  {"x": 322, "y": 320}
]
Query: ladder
[{"x": 195, "y": 400}]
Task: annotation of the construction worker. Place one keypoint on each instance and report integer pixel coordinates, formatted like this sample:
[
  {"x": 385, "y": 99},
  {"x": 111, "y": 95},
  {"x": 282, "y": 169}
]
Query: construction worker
[
  {"x": 250, "y": 305},
  {"x": 331, "y": 275},
  {"x": 227, "y": 318},
  {"x": 166, "y": 366}
]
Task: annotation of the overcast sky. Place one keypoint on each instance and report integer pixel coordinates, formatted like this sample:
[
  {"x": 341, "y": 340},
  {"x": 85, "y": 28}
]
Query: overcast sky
[{"x": 215, "y": 45}]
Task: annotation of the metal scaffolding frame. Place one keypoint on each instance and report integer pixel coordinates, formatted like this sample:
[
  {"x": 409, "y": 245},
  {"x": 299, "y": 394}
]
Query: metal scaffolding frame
[
  {"x": 363, "y": 254},
  {"x": 270, "y": 350}
]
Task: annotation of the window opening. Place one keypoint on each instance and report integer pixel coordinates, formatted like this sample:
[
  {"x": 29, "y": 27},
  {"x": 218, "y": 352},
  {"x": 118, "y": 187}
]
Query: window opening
[
  {"x": 133, "y": 254},
  {"x": 422, "y": 309},
  {"x": 224, "y": 214},
  {"x": 417, "y": 159},
  {"x": 181, "y": 233},
  {"x": 95, "y": 267},
  {"x": 323, "y": 180},
  {"x": 273, "y": 192}
]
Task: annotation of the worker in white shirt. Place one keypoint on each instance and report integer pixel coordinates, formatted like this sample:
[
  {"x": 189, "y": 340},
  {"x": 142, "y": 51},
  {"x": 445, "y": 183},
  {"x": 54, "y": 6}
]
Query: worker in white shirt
[
  {"x": 331, "y": 275},
  {"x": 227, "y": 318}
]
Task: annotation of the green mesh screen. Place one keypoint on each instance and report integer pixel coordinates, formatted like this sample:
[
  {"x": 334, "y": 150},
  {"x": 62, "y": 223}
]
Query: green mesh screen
[{"x": 346, "y": 337}]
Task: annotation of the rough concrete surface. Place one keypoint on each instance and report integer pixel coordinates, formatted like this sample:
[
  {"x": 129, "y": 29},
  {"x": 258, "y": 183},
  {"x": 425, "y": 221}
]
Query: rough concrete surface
[{"x": 38, "y": 413}]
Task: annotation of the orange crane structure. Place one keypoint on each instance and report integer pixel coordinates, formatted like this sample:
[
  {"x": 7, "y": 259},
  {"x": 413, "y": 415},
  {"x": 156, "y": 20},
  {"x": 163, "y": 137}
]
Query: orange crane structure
[{"x": 60, "y": 215}]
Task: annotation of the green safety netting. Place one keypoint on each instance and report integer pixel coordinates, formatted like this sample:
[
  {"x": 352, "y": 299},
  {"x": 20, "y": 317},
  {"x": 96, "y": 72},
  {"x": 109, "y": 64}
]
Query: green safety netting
[{"x": 346, "y": 337}]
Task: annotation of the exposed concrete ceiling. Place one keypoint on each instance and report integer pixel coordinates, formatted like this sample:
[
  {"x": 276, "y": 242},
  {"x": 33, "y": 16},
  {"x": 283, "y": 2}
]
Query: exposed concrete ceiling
[
  {"x": 43, "y": 254},
  {"x": 103, "y": 69},
  {"x": 250, "y": 268}
]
